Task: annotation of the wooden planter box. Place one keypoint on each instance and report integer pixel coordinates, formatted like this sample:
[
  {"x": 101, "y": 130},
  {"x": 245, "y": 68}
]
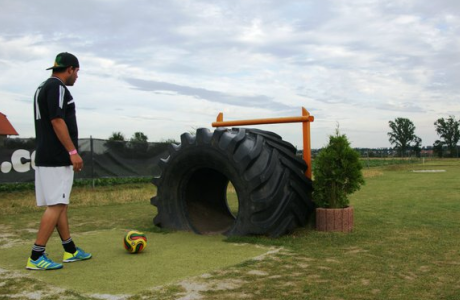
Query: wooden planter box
[{"x": 334, "y": 219}]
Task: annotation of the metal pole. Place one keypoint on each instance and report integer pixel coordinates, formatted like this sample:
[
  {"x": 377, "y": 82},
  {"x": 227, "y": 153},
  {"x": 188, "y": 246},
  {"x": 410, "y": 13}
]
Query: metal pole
[
  {"x": 305, "y": 119},
  {"x": 307, "y": 142}
]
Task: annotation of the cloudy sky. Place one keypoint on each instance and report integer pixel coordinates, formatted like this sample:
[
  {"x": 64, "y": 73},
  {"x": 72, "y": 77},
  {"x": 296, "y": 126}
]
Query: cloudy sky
[{"x": 168, "y": 67}]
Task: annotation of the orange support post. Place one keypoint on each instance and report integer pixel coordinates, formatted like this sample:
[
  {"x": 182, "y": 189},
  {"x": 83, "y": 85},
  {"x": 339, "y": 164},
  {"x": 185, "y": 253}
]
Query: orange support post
[{"x": 305, "y": 119}]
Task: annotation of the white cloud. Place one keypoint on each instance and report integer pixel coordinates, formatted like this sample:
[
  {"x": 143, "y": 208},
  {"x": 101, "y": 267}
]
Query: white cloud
[{"x": 164, "y": 67}]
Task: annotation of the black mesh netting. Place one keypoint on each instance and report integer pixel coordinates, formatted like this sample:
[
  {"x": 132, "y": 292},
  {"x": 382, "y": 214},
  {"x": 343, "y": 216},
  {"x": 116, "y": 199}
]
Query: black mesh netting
[{"x": 102, "y": 159}]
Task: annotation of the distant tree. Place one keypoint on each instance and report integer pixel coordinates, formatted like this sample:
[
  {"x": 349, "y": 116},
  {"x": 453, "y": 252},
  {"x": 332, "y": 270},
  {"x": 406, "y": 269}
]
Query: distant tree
[
  {"x": 139, "y": 144},
  {"x": 139, "y": 137},
  {"x": 19, "y": 143},
  {"x": 169, "y": 141},
  {"x": 117, "y": 136},
  {"x": 449, "y": 131},
  {"x": 116, "y": 143},
  {"x": 437, "y": 148},
  {"x": 402, "y": 134},
  {"x": 417, "y": 147}
]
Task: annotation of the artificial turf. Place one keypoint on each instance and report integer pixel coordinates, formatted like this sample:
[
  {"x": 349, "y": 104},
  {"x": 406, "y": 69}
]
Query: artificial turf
[{"x": 112, "y": 270}]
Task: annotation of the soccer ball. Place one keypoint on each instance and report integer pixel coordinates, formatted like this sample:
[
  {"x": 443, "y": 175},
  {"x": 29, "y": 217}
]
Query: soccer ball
[{"x": 134, "y": 241}]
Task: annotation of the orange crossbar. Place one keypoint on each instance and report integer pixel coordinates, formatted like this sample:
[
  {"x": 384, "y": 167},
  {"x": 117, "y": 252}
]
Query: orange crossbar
[{"x": 305, "y": 119}]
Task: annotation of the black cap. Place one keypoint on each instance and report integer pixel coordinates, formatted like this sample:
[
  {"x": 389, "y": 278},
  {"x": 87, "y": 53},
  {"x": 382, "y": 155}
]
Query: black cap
[{"x": 64, "y": 60}]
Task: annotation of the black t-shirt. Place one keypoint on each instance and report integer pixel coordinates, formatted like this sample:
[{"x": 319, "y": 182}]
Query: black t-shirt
[{"x": 53, "y": 100}]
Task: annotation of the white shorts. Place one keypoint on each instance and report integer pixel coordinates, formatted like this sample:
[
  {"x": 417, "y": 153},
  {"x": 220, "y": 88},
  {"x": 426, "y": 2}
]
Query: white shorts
[{"x": 53, "y": 185}]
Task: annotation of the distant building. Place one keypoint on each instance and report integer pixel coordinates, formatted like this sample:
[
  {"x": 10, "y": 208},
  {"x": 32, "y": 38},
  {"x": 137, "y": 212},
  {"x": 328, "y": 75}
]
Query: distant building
[
  {"x": 427, "y": 152},
  {"x": 6, "y": 129}
]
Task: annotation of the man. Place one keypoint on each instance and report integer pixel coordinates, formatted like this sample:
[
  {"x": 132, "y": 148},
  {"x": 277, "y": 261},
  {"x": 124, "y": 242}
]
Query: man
[{"x": 56, "y": 160}]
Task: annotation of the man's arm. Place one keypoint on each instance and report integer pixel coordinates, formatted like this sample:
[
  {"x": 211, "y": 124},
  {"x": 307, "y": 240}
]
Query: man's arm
[{"x": 62, "y": 132}]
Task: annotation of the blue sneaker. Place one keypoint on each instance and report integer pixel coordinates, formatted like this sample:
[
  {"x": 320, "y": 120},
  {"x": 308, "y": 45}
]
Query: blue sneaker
[
  {"x": 42, "y": 263},
  {"x": 77, "y": 256}
]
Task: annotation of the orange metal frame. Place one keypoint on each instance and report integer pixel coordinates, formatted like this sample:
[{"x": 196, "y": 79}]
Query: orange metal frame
[{"x": 305, "y": 119}]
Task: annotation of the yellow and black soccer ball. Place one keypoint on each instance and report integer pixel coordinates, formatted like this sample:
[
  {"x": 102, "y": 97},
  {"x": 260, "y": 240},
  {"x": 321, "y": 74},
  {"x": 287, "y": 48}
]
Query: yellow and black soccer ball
[{"x": 134, "y": 241}]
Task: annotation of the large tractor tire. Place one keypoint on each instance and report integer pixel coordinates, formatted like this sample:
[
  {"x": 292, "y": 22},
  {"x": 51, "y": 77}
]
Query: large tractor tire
[{"x": 274, "y": 196}]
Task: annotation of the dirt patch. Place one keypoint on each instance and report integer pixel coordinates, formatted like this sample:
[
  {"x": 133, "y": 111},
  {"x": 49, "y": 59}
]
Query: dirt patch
[
  {"x": 229, "y": 284},
  {"x": 269, "y": 253},
  {"x": 408, "y": 276},
  {"x": 257, "y": 273},
  {"x": 424, "y": 269},
  {"x": 365, "y": 282},
  {"x": 193, "y": 288},
  {"x": 354, "y": 250},
  {"x": 110, "y": 297},
  {"x": 371, "y": 173},
  {"x": 303, "y": 266},
  {"x": 6, "y": 237},
  {"x": 28, "y": 287}
]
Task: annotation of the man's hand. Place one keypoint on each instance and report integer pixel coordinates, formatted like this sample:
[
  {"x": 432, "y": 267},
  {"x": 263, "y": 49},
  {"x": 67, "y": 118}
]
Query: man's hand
[
  {"x": 77, "y": 162},
  {"x": 62, "y": 133}
]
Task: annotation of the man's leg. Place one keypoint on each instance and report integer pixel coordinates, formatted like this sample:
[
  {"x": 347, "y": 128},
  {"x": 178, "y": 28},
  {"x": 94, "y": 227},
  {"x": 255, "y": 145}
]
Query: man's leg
[
  {"x": 38, "y": 260},
  {"x": 63, "y": 225},
  {"x": 71, "y": 252},
  {"x": 48, "y": 222},
  {"x": 64, "y": 232}
]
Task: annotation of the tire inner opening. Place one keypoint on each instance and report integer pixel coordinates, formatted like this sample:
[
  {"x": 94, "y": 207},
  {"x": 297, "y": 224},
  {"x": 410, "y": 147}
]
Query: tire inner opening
[{"x": 211, "y": 202}]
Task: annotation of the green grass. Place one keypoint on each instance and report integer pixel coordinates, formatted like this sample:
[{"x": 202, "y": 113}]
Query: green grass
[
  {"x": 405, "y": 245},
  {"x": 387, "y": 161}
]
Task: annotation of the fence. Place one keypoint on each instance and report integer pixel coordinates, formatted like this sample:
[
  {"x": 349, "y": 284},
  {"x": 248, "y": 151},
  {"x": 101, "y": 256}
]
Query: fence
[{"x": 102, "y": 159}]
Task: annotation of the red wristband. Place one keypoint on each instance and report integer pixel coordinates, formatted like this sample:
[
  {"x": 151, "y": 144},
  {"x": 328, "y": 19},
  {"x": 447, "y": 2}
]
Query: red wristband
[{"x": 73, "y": 152}]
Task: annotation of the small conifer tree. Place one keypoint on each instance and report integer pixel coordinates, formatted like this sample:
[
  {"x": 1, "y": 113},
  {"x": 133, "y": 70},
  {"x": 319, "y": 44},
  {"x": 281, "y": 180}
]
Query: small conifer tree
[{"x": 337, "y": 173}]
